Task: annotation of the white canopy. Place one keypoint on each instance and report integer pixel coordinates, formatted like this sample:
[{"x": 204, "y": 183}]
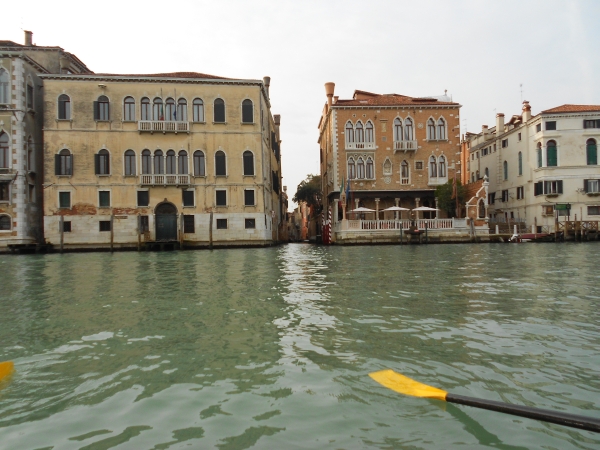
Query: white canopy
[
  {"x": 395, "y": 208},
  {"x": 425, "y": 208},
  {"x": 362, "y": 209}
]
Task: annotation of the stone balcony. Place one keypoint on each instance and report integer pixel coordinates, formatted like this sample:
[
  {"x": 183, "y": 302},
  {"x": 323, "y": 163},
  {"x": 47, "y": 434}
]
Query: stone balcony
[
  {"x": 163, "y": 126},
  {"x": 405, "y": 146},
  {"x": 360, "y": 145},
  {"x": 165, "y": 180}
]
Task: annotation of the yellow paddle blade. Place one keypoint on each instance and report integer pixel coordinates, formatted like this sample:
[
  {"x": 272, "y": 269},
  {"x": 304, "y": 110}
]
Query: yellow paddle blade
[
  {"x": 6, "y": 369},
  {"x": 407, "y": 386}
]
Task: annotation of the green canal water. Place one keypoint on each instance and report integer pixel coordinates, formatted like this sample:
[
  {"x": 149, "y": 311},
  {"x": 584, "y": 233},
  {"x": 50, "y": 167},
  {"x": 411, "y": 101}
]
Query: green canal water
[{"x": 271, "y": 348}]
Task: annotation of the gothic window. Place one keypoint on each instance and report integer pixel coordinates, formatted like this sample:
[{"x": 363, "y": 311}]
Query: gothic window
[
  {"x": 431, "y": 129},
  {"x": 387, "y": 167},
  {"x": 404, "y": 172},
  {"x": 370, "y": 169},
  {"x": 359, "y": 132},
  {"x": 351, "y": 169},
  {"x": 360, "y": 169},
  {"x": 442, "y": 166},
  {"x": 481, "y": 209},
  {"x": 408, "y": 129},
  {"x": 349, "y": 132},
  {"x": 4, "y": 87},
  {"x": 441, "y": 131},
  {"x": 432, "y": 167},
  {"x": 369, "y": 132},
  {"x": 4, "y": 151},
  {"x": 398, "y": 136}
]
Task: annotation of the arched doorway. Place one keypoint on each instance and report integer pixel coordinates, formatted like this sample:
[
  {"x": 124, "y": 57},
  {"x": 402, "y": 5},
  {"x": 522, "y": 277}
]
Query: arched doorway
[{"x": 166, "y": 222}]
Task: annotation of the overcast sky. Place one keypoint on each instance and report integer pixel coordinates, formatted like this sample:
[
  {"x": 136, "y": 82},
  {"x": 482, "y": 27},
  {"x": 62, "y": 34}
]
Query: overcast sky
[{"x": 480, "y": 51}]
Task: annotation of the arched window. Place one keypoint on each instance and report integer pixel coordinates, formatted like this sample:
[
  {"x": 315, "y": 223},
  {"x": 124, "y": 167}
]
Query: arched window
[
  {"x": 487, "y": 173},
  {"x": 369, "y": 132},
  {"x": 199, "y": 164},
  {"x": 505, "y": 166},
  {"x": 404, "y": 172},
  {"x": 442, "y": 166},
  {"x": 145, "y": 109},
  {"x": 102, "y": 162},
  {"x": 360, "y": 169},
  {"x": 351, "y": 169},
  {"x": 158, "y": 111},
  {"x": 171, "y": 112},
  {"x": 551, "y": 154},
  {"x": 247, "y": 111},
  {"x": 181, "y": 110},
  {"x": 370, "y": 169},
  {"x": 159, "y": 162},
  {"x": 64, "y": 107},
  {"x": 102, "y": 108},
  {"x": 182, "y": 163},
  {"x": 219, "y": 110},
  {"x": 130, "y": 162},
  {"x": 129, "y": 109},
  {"x": 432, "y": 167},
  {"x": 198, "y": 110},
  {"x": 248, "y": 163},
  {"x": 539, "y": 154},
  {"x": 591, "y": 151},
  {"x": 359, "y": 132},
  {"x": 481, "y": 209},
  {"x": 441, "y": 131},
  {"x": 520, "y": 160},
  {"x": 29, "y": 93},
  {"x": 146, "y": 162},
  {"x": 220, "y": 163},
  {"x": 387, "y": 167},
  {"x": 408, "y": 129},
  {"x": 398, "y": 135},
  {"x": 171, "y": 162},
  {"x": 4, "y": 151},
  {"x": 349, "y": 132},
  {"x": 4, "y": 84},
  {"x": 5, "y": 222},
  {"x": 431, "y": 129}
]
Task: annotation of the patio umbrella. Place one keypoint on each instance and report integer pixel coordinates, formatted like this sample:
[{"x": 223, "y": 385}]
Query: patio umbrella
[
  {"x": 395, "y": 208},
  {"x": 362, "y": 209},
  {"x": 425, "y": 208}
]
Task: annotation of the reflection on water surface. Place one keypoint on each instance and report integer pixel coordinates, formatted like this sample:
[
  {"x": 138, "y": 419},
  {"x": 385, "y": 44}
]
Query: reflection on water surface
[{"x": 271, "y": 348}]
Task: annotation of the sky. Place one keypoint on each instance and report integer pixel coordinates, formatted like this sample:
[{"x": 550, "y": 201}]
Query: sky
[{"x": 488, "y": 55}]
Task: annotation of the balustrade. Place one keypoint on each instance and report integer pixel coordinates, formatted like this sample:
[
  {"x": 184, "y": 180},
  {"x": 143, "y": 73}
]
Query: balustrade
[
  {"x": 165, "y": 180},
  {"x": 164, "y": 126}
]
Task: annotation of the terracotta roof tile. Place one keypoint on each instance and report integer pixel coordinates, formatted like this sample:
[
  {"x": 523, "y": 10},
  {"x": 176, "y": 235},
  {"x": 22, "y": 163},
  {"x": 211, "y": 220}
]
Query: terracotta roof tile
[
  {"x": 9, "y": 44},
  {"x": 166, "y": 75},
  {"x": 572, "y": 108},
  {"x": 391, "y": 100}
]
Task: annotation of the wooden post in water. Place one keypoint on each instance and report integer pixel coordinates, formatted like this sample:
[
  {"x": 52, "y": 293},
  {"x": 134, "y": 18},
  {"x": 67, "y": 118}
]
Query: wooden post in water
[
  {"x": 112, "y": 231},
  {"x": 181, "y": 225},
  {"x": 210, "y": 227},
  {"x": 139, "y": 232},
  {"x": 62, "y": 232}
]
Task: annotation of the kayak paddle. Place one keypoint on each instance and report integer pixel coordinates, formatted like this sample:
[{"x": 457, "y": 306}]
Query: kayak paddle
[{"x": 407, "y": 386}]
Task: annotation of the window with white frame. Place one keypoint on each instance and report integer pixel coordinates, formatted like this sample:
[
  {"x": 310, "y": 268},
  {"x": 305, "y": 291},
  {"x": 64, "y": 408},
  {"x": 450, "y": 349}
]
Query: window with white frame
[
  {"x": 146, "y": 162},
  {"x": 158, "y": 110},
  {"x": 520, "y": 193},
  {"x": 159, "y": 162},
  {"x": 351, "y": 169},
  {"x": 182, "y": 163},
  {"x": 432, "y": 167},
  {"x": 64, "y": 107},
  {"x": 102, "y": 109},
  {"x": 248, "y": 159},
  {"x": 359, "y": 132},
  {"x": 221, "y": 197},
  {"x": 431, "y": 130},
  {"x": 369, "y": 136},
  {"x": 170, "y": 110},
  {"x": 104, "y": 199},
  {"x": 4, "y": 151},
  {"x": 398, "y": 130},
  {"x": 441, "y": 129},
  {"x": 442, "y": 166},
  {"x": 5, "y": 222},
  {"x": 4, "y": 87},
  {"x": 181, "y": 115},
  {"x": 370, "y": 172},
  {"x": 219, "y": 111},
  {"x": 408, "y": 129},
  {"x": 64, "y": 199},
  {"x": 199, "y": 164},
  {"x": 360, "y": 168},
  {"x": 247, "y": 111},
  {"x": 63, "y": 163},
  {"x": 404, "y": 173},
  {"x": 249, "y": 197},
  {"x": 198, "y": 110},
  {"x": 130, "y": 163},
  {"x": 102, "y": 162},
  {"x": 128, "y": 109},
  {"x": 592, "y": 186},
  {"x": 171, "y": 162},
  {"x": 145, "y": 109},
  {"x": 220, "y": 163},
  {"x": 349, "y": 132}
]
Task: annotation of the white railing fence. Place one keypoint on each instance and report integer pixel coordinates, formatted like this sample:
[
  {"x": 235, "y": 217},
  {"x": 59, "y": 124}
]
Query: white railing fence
[
  {"x": 405, "y": 224},
  {"x": 165, "y": 180},
  {"x": 165, "y": 126}
]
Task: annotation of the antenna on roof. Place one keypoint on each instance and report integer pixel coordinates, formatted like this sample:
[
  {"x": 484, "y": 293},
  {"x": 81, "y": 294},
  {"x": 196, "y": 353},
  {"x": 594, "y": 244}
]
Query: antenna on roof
[{"x": 521, "y": 86}]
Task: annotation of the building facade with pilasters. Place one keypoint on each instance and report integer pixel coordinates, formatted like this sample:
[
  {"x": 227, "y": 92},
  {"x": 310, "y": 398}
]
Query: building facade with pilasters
[
  {"x": 183, "y": 158},
  {"x": 392, "y": 150}
]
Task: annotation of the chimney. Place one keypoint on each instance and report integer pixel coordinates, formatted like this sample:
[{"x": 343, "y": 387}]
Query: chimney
[
  {"x": 329, "y": 88},
  {"x": 499, "y": 124},
  {"x": 485, "y": 131},
  {"x": 526, "y": 116},
  {"x": 28, "y": 38},
  {"x": 267, "y": 83},
  {"x": 335, "y": 99},
  {"x": 277, "y": 119}
]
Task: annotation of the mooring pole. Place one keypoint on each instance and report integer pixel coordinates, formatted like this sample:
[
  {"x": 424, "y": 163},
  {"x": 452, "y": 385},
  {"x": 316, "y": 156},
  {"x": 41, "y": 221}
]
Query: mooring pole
[
  {"x": 62, "y": 232},
  {"x": 210, "y": 228},
  {"x": 112, "y": 232}
]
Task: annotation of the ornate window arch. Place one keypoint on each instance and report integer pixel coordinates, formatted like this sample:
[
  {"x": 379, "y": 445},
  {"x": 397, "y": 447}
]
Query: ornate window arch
[
  {"x": 398, "y": 130},
  {"x": 408, "y": 129},
  {"x": 370, "y": 173},
  {"x": 4, "y": 151},
  {"x": 481, "y": 209},
  {"x": 441, "y": 129},
  {"x": 360, "y": 168},
  {"x": 359, "y": 132},
  {"x": 404, "y": 172},
  {"x": 431, "y": 129},
  {"x": 591, "y": 152},
  {"x": 369, "y": 135},
  {"x": 433, "y": 173},
  {"x": 351, "y": 168},
  {"x": 349, "y": 131},
  {"x": 442, "y": 167}
]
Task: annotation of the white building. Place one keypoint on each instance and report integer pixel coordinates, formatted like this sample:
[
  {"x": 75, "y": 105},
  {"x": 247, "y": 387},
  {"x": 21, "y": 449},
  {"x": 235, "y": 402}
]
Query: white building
[{"x": 538, "y": 165}]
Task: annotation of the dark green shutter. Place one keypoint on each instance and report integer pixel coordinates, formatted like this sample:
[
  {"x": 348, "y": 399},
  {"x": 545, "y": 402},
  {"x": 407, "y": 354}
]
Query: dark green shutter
[
  {"x": 97, "y": 163},
  {"x": 538, "y": 188},
  {"x": 585, "y": 185},
  {"x": 592, "y": 154},
  {"x": 57, "y": 165},
  {"x": 559, "y": 187},
  {"x": 107, "y": 111},
  {"x": 551, "y": 159},
  {"x": 96, "y": 112}
]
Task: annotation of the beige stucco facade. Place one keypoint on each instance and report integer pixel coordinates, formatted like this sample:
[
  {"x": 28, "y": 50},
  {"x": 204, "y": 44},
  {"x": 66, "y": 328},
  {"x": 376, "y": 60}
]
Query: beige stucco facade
[{"x": 125, "y": 171}]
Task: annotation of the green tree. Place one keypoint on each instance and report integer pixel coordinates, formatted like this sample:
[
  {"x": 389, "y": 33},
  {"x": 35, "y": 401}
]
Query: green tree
[
  {"x": 309, "y": 191},
  {"x": 446, "y": 199}
]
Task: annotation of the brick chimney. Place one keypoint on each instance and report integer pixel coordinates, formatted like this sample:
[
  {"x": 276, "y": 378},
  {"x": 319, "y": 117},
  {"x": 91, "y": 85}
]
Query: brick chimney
[
  {"x": 329, "y": 88},
  {"x": 526, "y": 115},
  {"x": 499, "y": 124},
  {"x": 28, "y": 38}
]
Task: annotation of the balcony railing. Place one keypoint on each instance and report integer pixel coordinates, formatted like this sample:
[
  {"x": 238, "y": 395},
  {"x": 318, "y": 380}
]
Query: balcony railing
[
  {"x": 165, "y": 180},
  {"x": 405, "y": 146},
  {"x": 164, "y": 126},
  {"x": 405, "y": 224},
  {"x": 360, "y": 145}
]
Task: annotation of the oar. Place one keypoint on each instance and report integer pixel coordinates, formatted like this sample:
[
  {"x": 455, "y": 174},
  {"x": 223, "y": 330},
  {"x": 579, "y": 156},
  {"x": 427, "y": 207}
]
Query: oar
[
  {"x": 408, "y": 386},
  {"x": 6, "y": 369}
]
